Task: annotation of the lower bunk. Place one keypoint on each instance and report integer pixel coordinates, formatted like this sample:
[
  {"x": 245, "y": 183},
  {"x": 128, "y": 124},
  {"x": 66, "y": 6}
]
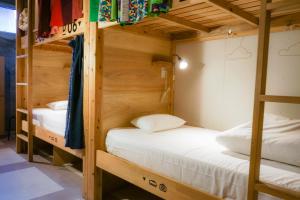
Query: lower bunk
[
  {"x": 49, "y": 126},
  {"x": 189, "y": 163}
]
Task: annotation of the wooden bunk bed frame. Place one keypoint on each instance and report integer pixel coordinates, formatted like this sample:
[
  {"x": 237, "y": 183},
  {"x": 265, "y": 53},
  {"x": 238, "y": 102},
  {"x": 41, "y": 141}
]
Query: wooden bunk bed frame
[
  {"x": 28, "y": 47},
  {"x": 189, "y": 20},
  {"x": 285, "y": 13}
]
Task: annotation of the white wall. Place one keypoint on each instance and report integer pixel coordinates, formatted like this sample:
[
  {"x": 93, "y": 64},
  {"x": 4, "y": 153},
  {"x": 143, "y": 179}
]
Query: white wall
[{"x": 217, "y": 90}]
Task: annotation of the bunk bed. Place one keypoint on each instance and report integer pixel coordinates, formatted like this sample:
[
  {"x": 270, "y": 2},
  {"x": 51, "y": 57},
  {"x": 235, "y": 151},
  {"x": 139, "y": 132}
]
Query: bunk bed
[
  {"x": 129, "y": 72},
  {"x": 190, "y": 21},
  {"x": 42, "y": 76}
]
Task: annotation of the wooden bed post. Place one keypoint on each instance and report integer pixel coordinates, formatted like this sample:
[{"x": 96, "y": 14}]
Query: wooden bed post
[
  {"x": 86, "y": 54},
  {"x": 93, "y": 84},
  {"x": 260, "y": 89}
]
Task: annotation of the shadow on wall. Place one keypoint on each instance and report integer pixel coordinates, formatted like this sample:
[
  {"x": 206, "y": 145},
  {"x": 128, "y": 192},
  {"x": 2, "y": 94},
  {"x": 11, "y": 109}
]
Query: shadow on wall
[{"x": 7, "y": 50}]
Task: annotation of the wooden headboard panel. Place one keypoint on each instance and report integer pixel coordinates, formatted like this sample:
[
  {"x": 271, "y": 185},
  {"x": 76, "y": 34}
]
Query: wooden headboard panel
[
  {"x": 50, "y": 76},
  {"x": 132, "y": 83}
]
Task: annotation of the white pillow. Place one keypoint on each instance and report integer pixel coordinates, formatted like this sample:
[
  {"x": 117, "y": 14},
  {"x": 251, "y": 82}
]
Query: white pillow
[
  {"x": 158, "y": 122},
  {"x": 58, "y": 105},
  {"x": 281, "y": 140}
]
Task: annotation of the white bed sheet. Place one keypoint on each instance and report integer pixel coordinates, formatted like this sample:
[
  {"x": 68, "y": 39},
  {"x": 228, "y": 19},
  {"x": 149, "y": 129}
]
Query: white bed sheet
[
  {"x": 52, "y": 120},
  {"x": 192, "y": 156}
]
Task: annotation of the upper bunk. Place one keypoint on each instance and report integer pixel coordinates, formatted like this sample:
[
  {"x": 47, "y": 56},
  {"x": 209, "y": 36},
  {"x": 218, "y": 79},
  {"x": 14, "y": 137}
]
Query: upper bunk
[
  {"x": 210, "y": 18},
  {"x": 205, "y": 19}
]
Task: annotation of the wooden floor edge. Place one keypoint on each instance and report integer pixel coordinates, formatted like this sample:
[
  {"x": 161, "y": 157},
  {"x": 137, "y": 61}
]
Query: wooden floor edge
[
  {"x": 150, "y": 181},
  {"x": 55, "y": 140}
]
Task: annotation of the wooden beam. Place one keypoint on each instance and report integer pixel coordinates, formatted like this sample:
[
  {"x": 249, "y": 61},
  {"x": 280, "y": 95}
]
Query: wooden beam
[
  {"x": 184, "y": 22},
  {"x": 259, "y": 106},
  {"x": 235, "y": 11},
  {"x": 287, "y": 20},
  {"x": 282, "y": 4},
  {"x": 277, "y": 191},
  {"x": 280, "y": 99}
]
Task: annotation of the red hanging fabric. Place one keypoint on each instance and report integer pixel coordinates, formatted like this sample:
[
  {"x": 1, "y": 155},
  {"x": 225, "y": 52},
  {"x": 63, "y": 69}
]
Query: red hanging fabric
[
  {"x": 77, "y": 9},
  {"x": 56, "y": 13}
]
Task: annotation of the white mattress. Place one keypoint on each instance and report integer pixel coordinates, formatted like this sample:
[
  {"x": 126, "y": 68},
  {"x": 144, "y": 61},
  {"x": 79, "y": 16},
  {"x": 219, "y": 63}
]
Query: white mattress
[
  {"x": 192, "y": 156},
  {"x": 52, "y": 120}
]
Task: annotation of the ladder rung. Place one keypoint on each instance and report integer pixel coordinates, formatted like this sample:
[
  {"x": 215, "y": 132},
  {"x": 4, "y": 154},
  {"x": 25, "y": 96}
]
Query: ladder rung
[
  {"x": 22, "y": 137},
  {"x": 21, "y": 84},
  {"x": 280, "y": 99},
  {"x": 21, "y": 56},
  {"x": 25, "y": 126},
  {"x": 277, "y": 191},
  {"x": 22, "y": 110}
]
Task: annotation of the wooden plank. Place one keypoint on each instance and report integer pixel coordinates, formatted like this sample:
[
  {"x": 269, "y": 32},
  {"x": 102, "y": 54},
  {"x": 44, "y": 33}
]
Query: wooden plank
[
  {"x": 94, "y": 175},
  {"x": 86, "y": 68},
  {"x": 86, "y": 59},
  {"x": 67, "y": 31},
  {"x": 25, "y": 126},
  {"x": 277, "y": 191},
  {"x": 19, "y": 72},
  {"x": 51, "y": 71},
  {"x": 22, "y": 137},
  {"x": 235, "y": 11},
  {"x": 282, "y": 4},
  {"x": 31, "y": 6},
  {"x": 22, "y": 56},
  {"x": 184, "y": 22},
  {"x": 21, "y": 84},
  {"x": 22, "y": 110},
  {"x": 287, "y": 20},
  {"x": 280, "y": 99},
  {"x": 259, "y": 106},
  {"x": 162, "y": 186},
  {"x": 61, "y": 157},
  {"x": 55, "y": 140}
]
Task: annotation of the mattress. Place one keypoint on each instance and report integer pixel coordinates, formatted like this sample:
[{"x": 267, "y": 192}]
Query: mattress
[
  {"x": 192, "y": 156},
  {"x": 52, "y": 120}
]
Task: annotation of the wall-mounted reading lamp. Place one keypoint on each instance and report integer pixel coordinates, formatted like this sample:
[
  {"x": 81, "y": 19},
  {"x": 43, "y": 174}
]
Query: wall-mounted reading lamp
[{"x": 183, "y": 64}]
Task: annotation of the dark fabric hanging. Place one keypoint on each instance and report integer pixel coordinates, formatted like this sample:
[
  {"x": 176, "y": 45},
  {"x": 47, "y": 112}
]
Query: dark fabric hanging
[
  {"x": 44, "y": 18},
  {"x": 74, "y": 128},
  {"x": 66, "y": 6}
]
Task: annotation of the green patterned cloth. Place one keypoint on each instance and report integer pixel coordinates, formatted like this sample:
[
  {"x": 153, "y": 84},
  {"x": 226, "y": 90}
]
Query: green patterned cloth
[
  {"x": 131, "y": 11},
  {"x": 127, "y": 12},
  {"x": 107, "y": 11},
  {"x": 156, "y": 7}
]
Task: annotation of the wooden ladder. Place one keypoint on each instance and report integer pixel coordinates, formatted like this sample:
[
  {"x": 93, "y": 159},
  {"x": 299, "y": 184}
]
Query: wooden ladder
[
  {"x": 254, "y": 184},
  {"x": 24, "y": 127}
]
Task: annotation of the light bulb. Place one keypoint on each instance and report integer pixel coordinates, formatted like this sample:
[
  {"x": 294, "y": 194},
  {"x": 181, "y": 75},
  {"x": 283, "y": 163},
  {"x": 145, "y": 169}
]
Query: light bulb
[{"x": 183, "y": 64}]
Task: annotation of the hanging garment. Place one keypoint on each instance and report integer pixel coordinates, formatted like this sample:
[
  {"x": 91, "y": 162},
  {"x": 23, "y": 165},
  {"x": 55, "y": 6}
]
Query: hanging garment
[
  {"x": 23, "y": 20},
  {"x": 94, "y": 9},
  {"x": 107, "y": 10},
  {"x": 74, "y": 127},
  {"x": 66, "y": 6},
  {"x": 156, "y": 7},
  {"x": 131, "y": 11},
  {"x": 56, "y": 13},
  {"x": 56, "y": 16},
  {"x": 44, "y": 18},
  {"x": 77, "y": 9}
]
